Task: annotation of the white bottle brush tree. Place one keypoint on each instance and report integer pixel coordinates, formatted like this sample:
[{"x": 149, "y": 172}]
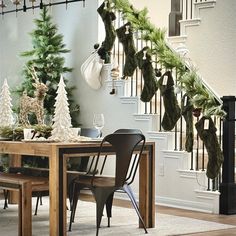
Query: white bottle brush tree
[
  {"x": 6, "y": 113},
  {"x": 62, "y": 120}
]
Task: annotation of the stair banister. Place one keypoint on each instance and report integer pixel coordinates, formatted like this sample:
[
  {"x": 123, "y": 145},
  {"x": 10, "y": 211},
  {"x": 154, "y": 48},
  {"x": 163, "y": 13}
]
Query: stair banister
[
  {"x": 228, "y": 186},
  {"x": 205, "y": 84}
]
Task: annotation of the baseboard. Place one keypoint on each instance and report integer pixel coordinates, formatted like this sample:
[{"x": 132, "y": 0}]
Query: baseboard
[{"x": 187, "y": 205}]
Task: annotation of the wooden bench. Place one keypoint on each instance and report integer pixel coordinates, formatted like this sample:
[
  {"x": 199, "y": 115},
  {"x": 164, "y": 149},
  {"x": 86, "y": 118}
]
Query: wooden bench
[{"x": 25, "y": 185}]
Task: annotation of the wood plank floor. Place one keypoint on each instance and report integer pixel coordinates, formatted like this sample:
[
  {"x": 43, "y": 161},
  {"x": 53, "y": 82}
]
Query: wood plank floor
[{"x": 224, "y": 219}]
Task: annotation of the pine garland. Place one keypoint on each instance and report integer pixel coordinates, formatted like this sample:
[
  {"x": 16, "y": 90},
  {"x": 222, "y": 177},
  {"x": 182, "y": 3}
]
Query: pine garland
[{"x": 188, "y": 80}]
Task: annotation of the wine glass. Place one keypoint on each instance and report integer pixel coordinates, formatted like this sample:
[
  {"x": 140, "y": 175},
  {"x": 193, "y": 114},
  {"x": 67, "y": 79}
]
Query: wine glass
[{"x": 98, "y": 122}]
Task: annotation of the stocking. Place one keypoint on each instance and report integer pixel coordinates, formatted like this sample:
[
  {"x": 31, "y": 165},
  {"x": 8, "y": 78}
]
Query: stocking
[
  {"x": 107, "y": 16},
  {"x": 207, "y": 132},
  {"x": 150, "y": 84},
  {"x": 187, "y": 109},
  {"x": 172, "y": 110},
  {"x": 125, "y": 35}
]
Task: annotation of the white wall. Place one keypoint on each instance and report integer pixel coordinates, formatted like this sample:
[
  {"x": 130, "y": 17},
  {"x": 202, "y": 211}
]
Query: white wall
[
  {"x": 212, "y": 46},
  {"x": 158, "y": 10}
]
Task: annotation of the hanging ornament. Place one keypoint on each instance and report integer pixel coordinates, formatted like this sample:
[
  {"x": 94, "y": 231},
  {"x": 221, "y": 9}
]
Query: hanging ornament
[
  {"x": 115, "y": 73},
  {"x": 16, "y": 3},
  {"x": 32, "y": 3},
  {"x": 144, "y": 55},
  {"x": 158, "y": 72},
  {"x": 2, "y": 5},
  {"x": 105, "y": 5},
  {"x": 127, "y": 29},
  {"x": 197, "y": 112}
]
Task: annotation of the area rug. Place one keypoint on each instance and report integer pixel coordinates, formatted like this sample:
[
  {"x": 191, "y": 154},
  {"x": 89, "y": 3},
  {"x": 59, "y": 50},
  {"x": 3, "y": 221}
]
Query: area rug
[{"x": 124, "y": 222}]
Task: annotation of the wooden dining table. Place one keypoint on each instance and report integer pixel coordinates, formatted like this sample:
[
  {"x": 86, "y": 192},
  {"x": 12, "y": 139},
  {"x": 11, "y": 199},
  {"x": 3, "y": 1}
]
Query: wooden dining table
[{"x": 58, "y": 153}]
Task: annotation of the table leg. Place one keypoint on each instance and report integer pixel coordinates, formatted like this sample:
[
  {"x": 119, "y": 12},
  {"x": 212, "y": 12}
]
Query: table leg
[
  {"x": 53, "y": 192},
  {"x": 26, "y": 209},
  {"x": 147, "y": 188},
  {"x": 15, "y": 161},
  {"x": 58, "y": 193}
]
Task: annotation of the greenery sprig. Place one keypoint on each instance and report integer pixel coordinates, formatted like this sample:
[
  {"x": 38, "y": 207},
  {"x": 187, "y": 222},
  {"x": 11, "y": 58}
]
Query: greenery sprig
[
  {"x": 16, "y": 133},
  {"x": 188, "y": 80}
]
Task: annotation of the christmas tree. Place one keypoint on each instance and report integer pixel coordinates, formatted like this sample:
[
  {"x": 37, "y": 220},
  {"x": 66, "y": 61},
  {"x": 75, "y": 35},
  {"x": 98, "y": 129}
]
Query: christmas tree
[
  {"x": 6, "y": 113},
  {"x": 46, "y": 58},
  {"x": 62, "y": 120}
]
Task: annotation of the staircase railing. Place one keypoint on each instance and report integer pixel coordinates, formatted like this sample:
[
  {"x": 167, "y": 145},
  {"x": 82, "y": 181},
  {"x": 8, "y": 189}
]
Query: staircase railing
[
  {"x": 225, "y": 127},
  {"x": 227, "y": 185},
  {"x": 155, "y": 106}
]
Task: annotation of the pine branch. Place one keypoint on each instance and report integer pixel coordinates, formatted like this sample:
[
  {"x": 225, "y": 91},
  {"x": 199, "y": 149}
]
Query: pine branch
[{"x": 190, "y": 82}]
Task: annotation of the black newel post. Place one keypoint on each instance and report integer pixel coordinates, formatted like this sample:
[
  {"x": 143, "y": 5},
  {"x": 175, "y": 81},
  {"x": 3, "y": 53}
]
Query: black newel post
[
  {"x": 228, "y": 186},
  {"x": 174, "y": 17}
]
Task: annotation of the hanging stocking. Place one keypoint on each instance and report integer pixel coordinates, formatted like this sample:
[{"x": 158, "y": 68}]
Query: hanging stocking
[
  {"x": 187, "y": 109},
  {"x": 107, "y": 16},
  {"x": 172, "y": 110},
  {"x": 207, "y": 132},
  {"x": 125, "y": 35},
  {"x": 150, "y": 84}
]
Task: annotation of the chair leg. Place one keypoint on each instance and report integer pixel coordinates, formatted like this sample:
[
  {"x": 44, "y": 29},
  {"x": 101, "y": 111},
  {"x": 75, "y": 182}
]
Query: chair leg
[
  {"x": 109, "y": 207},
  {"x": 74, "y": 200},
  {"x": 41, "y": 200},
  {"x": 37, "y": 204},
  {"x": 129, "y": 191},
  {"x": 101, "y": 197},
  {"x": 5, "y": 193}
]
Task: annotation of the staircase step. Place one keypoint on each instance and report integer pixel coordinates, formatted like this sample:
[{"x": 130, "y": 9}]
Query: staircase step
[{"x": 187, "y": 23}]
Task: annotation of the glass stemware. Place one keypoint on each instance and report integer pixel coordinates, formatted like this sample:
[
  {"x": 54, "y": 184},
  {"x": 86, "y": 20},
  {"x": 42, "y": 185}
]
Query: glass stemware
[{"x": 99, "y": 122}]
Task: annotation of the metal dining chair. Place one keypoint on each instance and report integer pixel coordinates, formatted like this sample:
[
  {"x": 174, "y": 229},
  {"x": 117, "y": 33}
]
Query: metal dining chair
[{"x": 103, "y": 187}]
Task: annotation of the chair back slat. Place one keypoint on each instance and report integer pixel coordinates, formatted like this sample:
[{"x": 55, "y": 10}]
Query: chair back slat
[
  {"x": 135, "y": 158},
  {"x": 124, "y": 145}
]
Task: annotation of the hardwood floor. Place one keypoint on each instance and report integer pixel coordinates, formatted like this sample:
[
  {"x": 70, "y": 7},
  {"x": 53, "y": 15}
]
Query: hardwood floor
[{"x": 224, "y": 219}]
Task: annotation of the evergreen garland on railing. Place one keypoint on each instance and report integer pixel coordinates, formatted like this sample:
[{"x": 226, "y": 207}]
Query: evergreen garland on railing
[{"x": 188, "y": 80}]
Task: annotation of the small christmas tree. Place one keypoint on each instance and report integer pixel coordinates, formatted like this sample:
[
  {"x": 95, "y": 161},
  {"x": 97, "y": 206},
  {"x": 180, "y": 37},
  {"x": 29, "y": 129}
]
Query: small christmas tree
[
  {"x": 6, "y": 113},
  {"x": 48, "y": 63},
  {"x": 62, "y": 120}
]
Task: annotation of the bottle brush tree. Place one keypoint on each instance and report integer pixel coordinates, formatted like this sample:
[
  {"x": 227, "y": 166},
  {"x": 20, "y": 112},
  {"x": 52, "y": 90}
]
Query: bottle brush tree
[{"x": 48, "y": 62}]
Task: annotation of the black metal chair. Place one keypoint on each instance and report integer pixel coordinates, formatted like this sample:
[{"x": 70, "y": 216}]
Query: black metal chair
[{"x": 103, "y": 187}]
